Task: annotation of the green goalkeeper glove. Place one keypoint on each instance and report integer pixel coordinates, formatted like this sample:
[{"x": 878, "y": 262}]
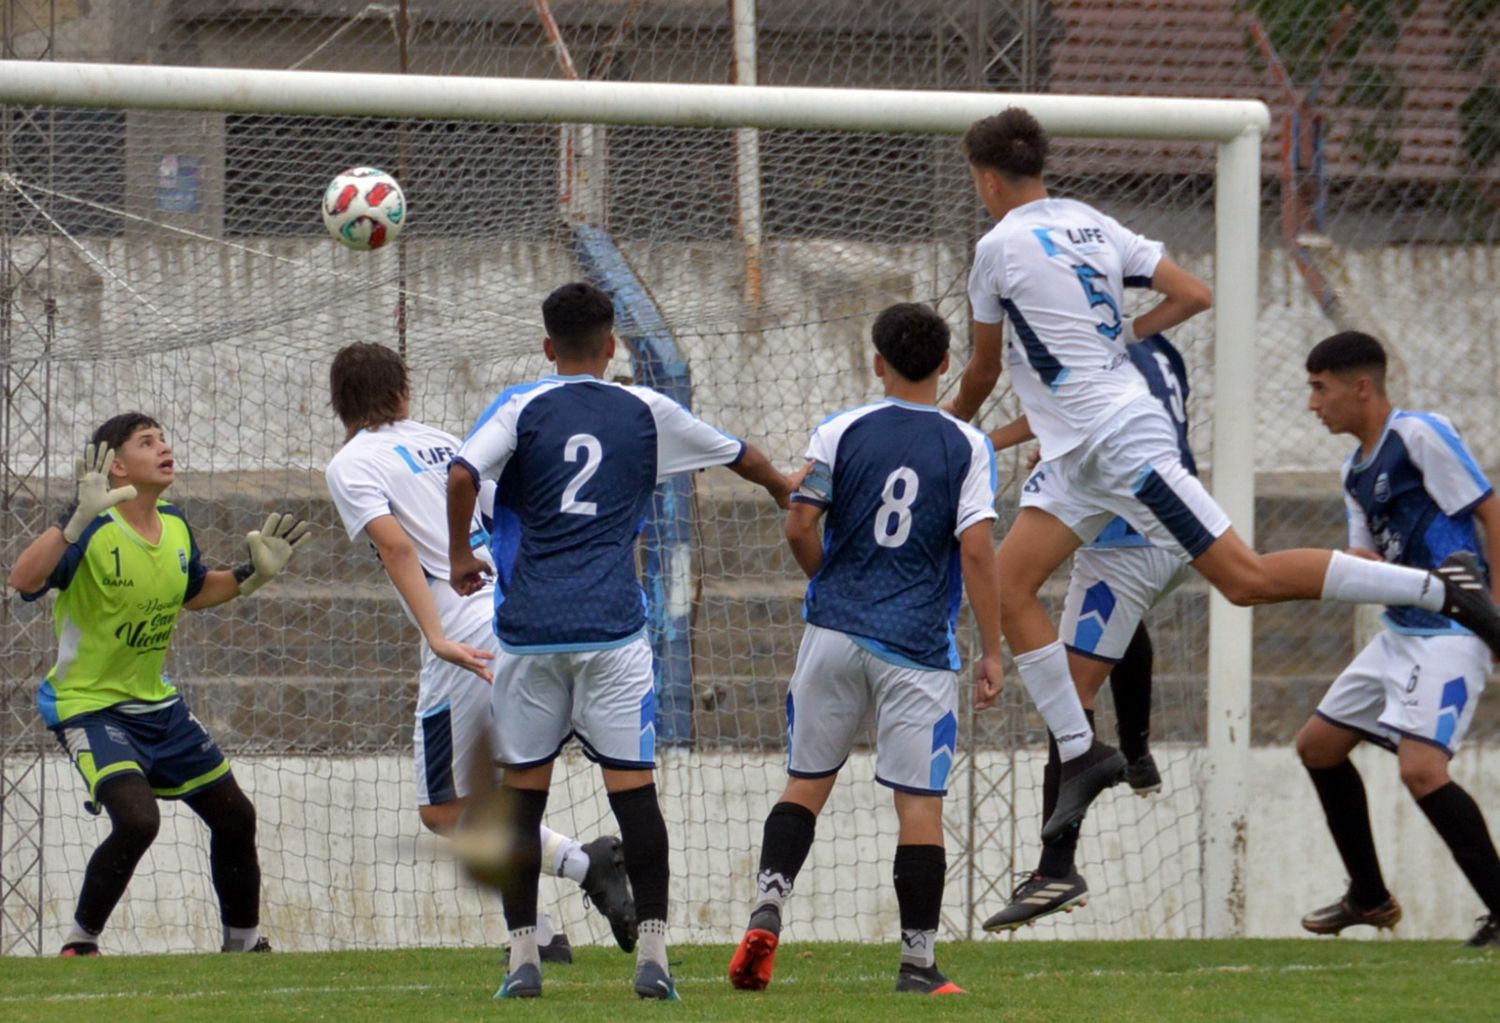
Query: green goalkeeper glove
[
  {"x": 271, "y": 547},
  {"x": 94, "y": 495}
]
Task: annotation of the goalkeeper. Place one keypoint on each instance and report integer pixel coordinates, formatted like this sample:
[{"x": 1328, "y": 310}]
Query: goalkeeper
[{"x": 124, "y": 564}]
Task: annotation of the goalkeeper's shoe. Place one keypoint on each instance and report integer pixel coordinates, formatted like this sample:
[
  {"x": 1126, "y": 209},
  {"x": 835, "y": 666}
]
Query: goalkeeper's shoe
[
  {"x": 1038, "y": 896},
  {"x": 1488, "y": 935},
  {"x": 608, "y": 888},
  {"x": 1142, "y": 775},
  {"x": 925, "y": 980},
  {"x": 1467, "y": 600},
  {"x": 75, "y": 949},
  {"x": 653, "y": 981},
  {"x": 755, "y": 959},
  {"x": 1083, "y": 779},
  {"x": 525, "y": 981},
  {"x": 1333, "y": 918}
]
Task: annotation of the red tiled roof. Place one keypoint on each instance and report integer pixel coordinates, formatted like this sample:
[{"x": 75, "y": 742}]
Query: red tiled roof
[{"x": 1203, "y": 47}]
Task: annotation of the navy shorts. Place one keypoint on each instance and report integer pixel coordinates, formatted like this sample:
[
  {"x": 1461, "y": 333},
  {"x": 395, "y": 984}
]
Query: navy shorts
[{"x": 163, "y": 742}]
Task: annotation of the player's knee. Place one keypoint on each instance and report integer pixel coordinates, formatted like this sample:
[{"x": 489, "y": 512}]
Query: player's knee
[
  {"x": 136, "y": 822},
  {"x": 235, "y": 820},
  {"x": 1313, "y": 754},
  {"x": 1423, "y": 778}
]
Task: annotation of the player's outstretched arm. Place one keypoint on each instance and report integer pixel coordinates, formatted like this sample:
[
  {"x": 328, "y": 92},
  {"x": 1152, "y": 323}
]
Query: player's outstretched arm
[
  {"x": 982, "y": 372},
  {"x": 466, "y": 572},
  {"x": 756, "y": 468},
  {"x": 398, "y": 555},
  {"x": 271, "y": 547},
  {"x": 35, "y": 565},
  {"x": 982, "y": 581},
  {"x": 1183, "y": 297},
  {"x": 1017, "y": 431}
]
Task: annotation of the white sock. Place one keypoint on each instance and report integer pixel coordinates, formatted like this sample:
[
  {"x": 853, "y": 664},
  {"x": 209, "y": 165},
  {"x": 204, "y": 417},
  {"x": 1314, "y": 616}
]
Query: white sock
[
  {"x": 1045, "y": 675},
  {"x": 78, "y": 933},
  {"x": 918, "y": 947},
  {"x": 240, "y": 939},
  {"x": 1352, "y": 580},
  {"x": 652, "y": 943},
  {"x": 563, "y": 856},
  {"x": 545, "y": 932},
  {"x": 523, "y": 949},
  {"x": 771, "y": 889}
]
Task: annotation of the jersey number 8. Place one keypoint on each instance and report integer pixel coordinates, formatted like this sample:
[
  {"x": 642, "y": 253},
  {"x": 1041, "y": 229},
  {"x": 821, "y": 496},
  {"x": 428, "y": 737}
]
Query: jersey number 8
[{"x": 893, "y": 517}]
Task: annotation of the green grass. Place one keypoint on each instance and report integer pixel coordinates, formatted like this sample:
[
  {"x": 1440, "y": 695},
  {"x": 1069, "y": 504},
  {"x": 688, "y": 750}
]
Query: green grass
[{"x": 1071, "y": 982}]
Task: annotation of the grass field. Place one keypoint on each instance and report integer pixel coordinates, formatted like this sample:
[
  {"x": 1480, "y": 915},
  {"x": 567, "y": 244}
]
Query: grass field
[{"x": 1161, "y": 982}]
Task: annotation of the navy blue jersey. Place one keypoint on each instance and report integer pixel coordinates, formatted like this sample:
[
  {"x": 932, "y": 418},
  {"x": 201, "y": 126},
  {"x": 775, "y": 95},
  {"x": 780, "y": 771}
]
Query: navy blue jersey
[
  {"x": 1166, "y": 375},
  {"x": 1412, "y": 502},
  {"x": 577, "y": 460},
  {"x": 901, "y": 483}
]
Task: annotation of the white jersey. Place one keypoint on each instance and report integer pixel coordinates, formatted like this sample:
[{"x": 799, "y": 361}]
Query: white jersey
[
  {"x": 401, "y": 469},
  {"x": 1057, "y": 269}
]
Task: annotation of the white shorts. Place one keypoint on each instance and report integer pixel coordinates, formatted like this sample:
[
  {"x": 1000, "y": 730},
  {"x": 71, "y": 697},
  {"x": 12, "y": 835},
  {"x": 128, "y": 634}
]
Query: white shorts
[
  {"x": 1410, "y": 687},
  {"x": 453, "y": 709},
  {"x": 838, "y": 686},
  {"x": 605, "y": 697},
  {"x": 1131, "y": 467},
  {"x": 1110, "y": 591}
]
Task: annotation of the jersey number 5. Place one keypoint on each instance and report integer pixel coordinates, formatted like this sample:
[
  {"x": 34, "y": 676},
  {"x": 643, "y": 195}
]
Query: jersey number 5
[
  {"x": 893, "y": 517},
  {"x": 1087, "y": 275},
  {"x": 586, "y": 446}
]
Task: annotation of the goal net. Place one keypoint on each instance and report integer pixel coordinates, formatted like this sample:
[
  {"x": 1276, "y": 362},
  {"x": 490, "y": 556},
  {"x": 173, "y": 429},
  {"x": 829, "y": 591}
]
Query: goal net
[{"x": 174, "y": 261}]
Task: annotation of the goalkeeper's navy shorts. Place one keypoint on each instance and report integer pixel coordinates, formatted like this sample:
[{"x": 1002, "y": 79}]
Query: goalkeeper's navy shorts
[{"x": 162, "y": 741}]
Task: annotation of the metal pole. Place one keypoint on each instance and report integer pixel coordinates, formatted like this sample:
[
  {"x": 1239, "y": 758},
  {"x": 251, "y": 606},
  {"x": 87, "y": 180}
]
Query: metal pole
[
  {"x": 747, "y": 155},
  {"x": 1230, "y": 652}
]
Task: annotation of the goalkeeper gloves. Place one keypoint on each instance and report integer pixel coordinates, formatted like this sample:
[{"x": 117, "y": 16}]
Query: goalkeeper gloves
[
  {"x": 271, "y": 547},
  {"x": 94, "y": 495}
]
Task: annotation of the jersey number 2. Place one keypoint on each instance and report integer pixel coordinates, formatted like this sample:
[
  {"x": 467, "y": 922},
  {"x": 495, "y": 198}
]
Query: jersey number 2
[
  {"x": 893, "y": 517},
  {"x": 584, "y": 445}
]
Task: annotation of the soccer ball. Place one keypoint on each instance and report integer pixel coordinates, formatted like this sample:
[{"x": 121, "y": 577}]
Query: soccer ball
[{"x": 364, "y": 208}]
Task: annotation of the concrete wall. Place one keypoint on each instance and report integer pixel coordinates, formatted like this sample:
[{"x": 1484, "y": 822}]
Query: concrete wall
[
  {"x": 346, "y": 864},
  {"x": 230, "y": 342}
]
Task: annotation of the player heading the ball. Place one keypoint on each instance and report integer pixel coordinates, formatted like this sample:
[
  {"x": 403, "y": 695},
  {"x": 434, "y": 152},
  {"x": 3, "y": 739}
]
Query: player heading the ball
[
  {"x": 576, "y": 460},
  {"x": 124, "y": 564}
]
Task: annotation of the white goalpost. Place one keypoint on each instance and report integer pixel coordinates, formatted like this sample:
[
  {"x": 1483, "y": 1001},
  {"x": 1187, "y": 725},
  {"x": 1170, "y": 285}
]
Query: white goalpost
[{"x": 1236, "y": 128}]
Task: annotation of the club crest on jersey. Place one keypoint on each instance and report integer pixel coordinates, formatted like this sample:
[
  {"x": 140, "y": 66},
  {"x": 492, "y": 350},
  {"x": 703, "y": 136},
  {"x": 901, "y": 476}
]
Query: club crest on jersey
[
  {"x": 1383, "y": 487},
  {"x": 182, "y": 559}
]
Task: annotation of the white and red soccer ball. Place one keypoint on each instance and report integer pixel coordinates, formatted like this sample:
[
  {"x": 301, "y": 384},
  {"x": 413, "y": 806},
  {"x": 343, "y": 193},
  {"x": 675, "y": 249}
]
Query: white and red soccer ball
[{"x": 364, "y": 208}]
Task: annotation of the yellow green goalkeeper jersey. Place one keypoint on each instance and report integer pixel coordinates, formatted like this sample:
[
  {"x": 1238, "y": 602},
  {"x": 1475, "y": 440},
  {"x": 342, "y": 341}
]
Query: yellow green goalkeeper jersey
[{"x": 117, "y": 605}]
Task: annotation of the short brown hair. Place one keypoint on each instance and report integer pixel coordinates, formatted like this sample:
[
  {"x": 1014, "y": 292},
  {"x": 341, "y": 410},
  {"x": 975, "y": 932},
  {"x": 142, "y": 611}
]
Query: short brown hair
[
  {"x": 367, "y": 385},
  {"x": 1012, "y": 142}
]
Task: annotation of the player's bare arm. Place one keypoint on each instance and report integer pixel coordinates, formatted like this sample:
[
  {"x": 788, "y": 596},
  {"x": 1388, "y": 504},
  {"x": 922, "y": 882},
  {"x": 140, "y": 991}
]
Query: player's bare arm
[
  {"x": 982, "y": 582},
  {"x": 1183, "y": 297},
  {"x": 1017, "y": 431},
  {"x": 982, "y": 372},
  {"x": 271, "y": 548},
  {"x": 803, "y": 537},
  {"x": 398, "y": 555},
  {"x": 468, "y": 573},
  {"x": 756, "y": 468},
  {"x": 1487, "y": 512}
]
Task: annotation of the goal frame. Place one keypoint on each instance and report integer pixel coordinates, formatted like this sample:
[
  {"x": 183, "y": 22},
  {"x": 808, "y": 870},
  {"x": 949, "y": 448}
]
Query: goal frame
[{"x": 1237, "y": 127}]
